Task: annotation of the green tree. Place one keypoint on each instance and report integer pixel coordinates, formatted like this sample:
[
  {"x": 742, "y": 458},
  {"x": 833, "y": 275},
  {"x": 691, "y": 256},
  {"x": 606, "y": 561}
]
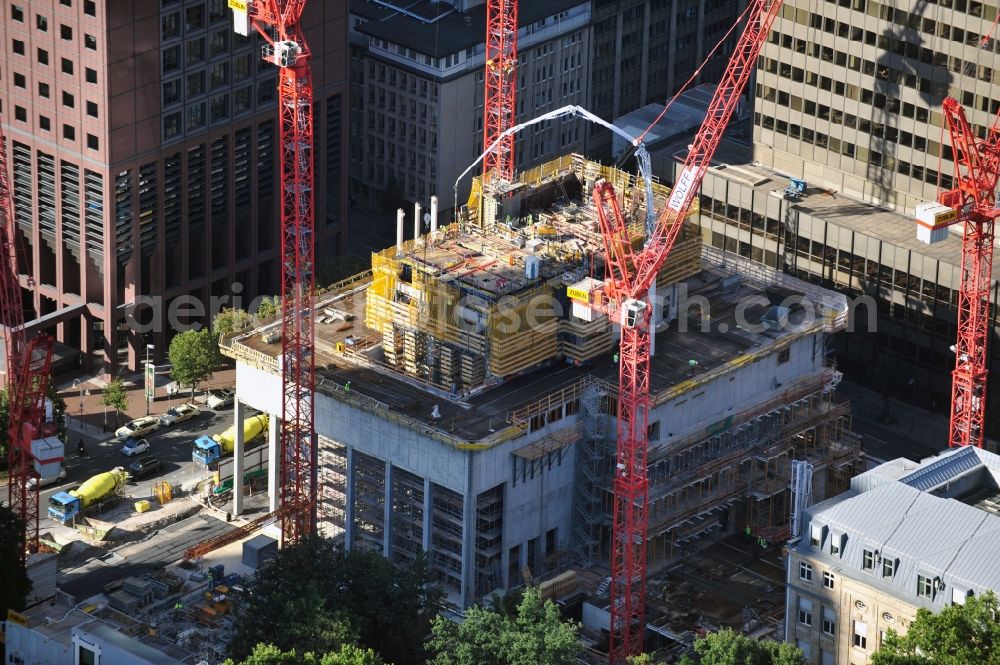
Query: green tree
[
  {"x": 14, "y": 582},
  {"x": 58, "y": 414},
  {"x": 957, "y": 635},
  {"x": 730, "y": 648},
  {"x": 194, "y": 355},
  {"x": 537, "y": 635},
  {"x": 315, "y": 597},
  {"x": 115, "y": 396},
  {"x": 268, "y": 654},
  {"x": 231, "y": 320},
  {"x": 268, "y": 307}
]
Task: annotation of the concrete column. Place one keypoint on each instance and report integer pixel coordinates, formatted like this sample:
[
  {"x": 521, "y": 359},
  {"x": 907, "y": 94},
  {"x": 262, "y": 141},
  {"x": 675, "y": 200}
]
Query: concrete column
[
  {"x": 349, "y": 501},
  {"x": 428, "y": 511},
  {"x": 387, "y": 513},
  {"x": 434, "y": 214},
  {"x": 273, "y": 463},
  {"x": 468, "y": 536},
  {"x": 416, "y": 220},
  {"x": 400, "y": 233},
  {"x": 239, "y": 413}
]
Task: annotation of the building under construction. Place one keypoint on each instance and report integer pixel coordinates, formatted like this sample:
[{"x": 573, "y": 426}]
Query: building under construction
[{"x": 467, "y": 391}]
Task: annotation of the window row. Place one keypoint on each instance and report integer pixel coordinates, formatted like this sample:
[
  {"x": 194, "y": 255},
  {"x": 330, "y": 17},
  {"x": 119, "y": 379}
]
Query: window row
[{"x": 45, "y": 124}]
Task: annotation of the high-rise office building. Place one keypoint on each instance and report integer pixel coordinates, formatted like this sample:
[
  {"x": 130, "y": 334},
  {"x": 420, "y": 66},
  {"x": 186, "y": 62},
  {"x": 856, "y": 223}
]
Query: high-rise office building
[
  {"x": 849, "y": 93},
  {"x": 417, "y": 104},
  {"x": 143, "y": 142},
  {"x": 643, "y": 51}
]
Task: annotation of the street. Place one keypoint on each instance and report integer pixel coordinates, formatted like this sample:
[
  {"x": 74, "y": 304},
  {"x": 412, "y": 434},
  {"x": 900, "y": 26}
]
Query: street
[{"x": 171, "y": 445}]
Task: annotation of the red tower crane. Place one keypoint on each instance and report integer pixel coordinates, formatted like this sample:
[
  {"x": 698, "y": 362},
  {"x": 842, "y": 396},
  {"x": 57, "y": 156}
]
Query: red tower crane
[
  {"x": 29, "y": 359},
  {"x": 631, "y": 268},
  {"x": 500, "y": 97},
  {"x": 977, "y": 170},
  {"x": 277, "y": 21}
]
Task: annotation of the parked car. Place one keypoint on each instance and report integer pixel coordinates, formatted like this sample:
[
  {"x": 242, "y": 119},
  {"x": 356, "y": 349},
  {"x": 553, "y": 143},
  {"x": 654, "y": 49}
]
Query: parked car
[
  {"x": 49, "y": 480},
  {"x": 220, "y": 399},
  {"x": 138, "y": 428},
  {"x": 179, "y": 414},
  {"x": 135, "y": 447},
  {"x": 146, "y": 466}
]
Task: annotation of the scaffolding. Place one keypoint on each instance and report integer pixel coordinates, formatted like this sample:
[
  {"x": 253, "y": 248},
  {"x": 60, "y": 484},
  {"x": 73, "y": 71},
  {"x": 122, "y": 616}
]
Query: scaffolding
[
  {"x": 331, "y": 509},
  {"x": 407, "y": 516},
  {"x": 473, "y": 302},
  {"x": 732, "y": 476},
  {"x": 446, "y": 536},
  {"x": 369, "y": 504}
]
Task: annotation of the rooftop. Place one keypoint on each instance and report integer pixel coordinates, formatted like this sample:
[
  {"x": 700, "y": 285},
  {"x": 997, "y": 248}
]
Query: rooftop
[
  {"x": 437, "y": 29},
  {"x": 937, "y": 519}
]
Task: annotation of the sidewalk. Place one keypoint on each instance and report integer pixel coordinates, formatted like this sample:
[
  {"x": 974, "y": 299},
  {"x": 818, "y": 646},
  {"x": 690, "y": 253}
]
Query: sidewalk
[{"x": 86, "y": 416}]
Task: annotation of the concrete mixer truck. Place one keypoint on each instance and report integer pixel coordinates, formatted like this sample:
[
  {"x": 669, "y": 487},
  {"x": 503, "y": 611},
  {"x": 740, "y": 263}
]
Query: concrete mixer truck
[
  {"x": 209, "y": 450},
  {"x": 93, "y": 496}
]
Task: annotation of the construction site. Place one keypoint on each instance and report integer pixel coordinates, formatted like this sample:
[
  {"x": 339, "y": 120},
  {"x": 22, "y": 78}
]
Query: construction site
[{"x": 466, "y": 396}]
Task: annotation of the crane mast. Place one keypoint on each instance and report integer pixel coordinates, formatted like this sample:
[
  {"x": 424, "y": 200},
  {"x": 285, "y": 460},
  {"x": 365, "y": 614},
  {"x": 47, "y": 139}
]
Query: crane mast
[
  {"x": 977, "y": 169},
  {"x": 29, "y": 362},
  {"x": 630, "y": 272},
  {"x": 278, "y": 22},
  {"x": 500, "y": 95}
]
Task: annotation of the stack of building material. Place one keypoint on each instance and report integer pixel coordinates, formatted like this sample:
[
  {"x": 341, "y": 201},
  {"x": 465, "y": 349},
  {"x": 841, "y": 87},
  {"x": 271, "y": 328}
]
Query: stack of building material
[{"x": 123, "y": 602}]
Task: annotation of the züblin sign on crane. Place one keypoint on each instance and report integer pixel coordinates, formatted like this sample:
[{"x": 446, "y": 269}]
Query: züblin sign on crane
[{"x": 238, "y": 5}]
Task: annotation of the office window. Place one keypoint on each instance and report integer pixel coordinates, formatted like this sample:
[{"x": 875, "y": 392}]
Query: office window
[
  {"x": 805, "y": 612},
  {"x": 20, "y": 81},
  {"x": 220, "y": 74},
  {"x": 67, "y": 66},
  {"x": 89, "y": 8},
  {"x": 860, "y": 635},
  {"x": 888, "y": 567},
  {"x": 170, "y": 26},
  {"x": 41, "y": 23},
  {"x": 20, "y": 114},
  {"x": 43, "y": 90},
  {"x": 924, "y": 587},
  {"x": 829, "y": 621},
  {"x": 171, "y": 58},
  {"x": 90, "y": 41},
  {"x": 827, "y": 580},
  {"x": 242, "y": 99},
  {"x": 65, "y": 32},
  {"x": 194, "y": 17},
  {"x": 92, "y": 142},
  {"x": 195, "y": 50},
  {"x": 92, "y": 109},
  {"x": 805, "y": 571},
  {"x": 91, "y": 75},
  {"x": 18, "y": 47},
  {"x": 220, "y": 107},
  {"x": 220, "y": 42},
  {"x": 195, "y": 83},
  {"x": 171, "y": 125},
  {"x": 44, "y": 123},
  {"x": 868, "y": 560},
  {"x": 67, "y": 99},
  {"x": 69, "y": 132},
  {"x": 43, "y": 56},
  {"x": 17, "y": 13},
  {"x": 171, "y": 92}
]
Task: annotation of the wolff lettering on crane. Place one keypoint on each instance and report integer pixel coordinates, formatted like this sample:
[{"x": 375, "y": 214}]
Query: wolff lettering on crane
[{"x": 680, "y": 192}]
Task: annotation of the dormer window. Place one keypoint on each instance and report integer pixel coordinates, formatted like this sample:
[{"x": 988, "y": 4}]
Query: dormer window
[{"x": 816, "y": 536}]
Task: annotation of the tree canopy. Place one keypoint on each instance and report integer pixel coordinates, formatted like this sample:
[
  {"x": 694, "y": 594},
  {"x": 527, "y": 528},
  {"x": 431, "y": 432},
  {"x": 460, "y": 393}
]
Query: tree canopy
[
  {"x": 116, "y": 396},
  {"x": 231, "y": 320},
  {"x": 957, "y": 635},
  {"x": 14, "y": 582},
  {"x": 537, "y": 635},
  {"x": 194, "y": 355},
  {"x": 315, "y": 597},
  {"x": 727, "y": 647},
  {"x": 268, "y": 654}
]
